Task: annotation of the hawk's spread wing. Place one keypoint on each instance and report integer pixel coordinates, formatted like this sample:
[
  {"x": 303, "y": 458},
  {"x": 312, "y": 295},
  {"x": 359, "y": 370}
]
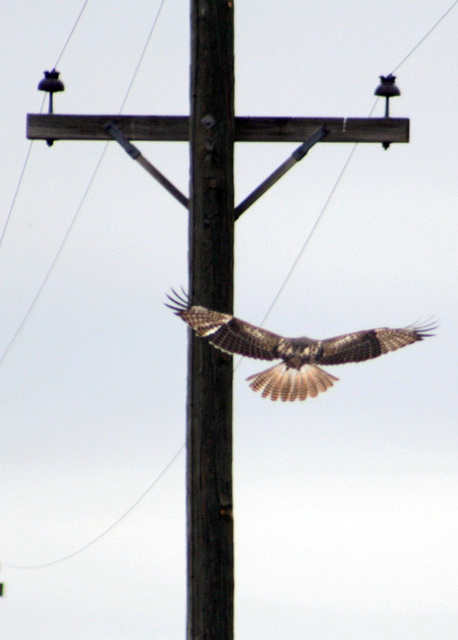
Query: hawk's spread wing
[
  {"x": 225, "y": 331},
  {"x": 364, "y": 345}
]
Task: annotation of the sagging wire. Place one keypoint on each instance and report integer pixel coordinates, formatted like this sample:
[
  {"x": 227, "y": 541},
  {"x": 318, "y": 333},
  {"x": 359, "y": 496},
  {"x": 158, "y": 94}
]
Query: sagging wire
[{"x": 108, "y": 529}]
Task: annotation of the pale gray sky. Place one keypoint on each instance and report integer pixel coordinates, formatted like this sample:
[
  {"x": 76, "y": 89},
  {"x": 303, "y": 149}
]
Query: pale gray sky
[{"x": 346, "y": 512}]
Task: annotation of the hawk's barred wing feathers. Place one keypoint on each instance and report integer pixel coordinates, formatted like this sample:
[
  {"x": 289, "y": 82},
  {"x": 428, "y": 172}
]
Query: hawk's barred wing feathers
[
  {"x": 226, "y": 332},
  {"x": 365, "y": 345}
]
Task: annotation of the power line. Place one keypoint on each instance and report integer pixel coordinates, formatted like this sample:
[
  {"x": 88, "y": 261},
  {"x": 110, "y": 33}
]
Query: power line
[
  {"x": 428, "y": 33},
  {"x": 310, "y": 234},
  {"x": 108, "y": 529},
  {"x": 315, "y": 225},
  {"x": 19, "y": 182},
  {"x": 54, "y": 261},
  {"x": 8, "y": 217},
  {"x": 71, "y": 32},
  {"x": 142, "y": 55}
]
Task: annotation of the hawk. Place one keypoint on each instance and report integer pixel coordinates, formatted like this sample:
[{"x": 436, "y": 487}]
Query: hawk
[{"x": 298, "y": 375}]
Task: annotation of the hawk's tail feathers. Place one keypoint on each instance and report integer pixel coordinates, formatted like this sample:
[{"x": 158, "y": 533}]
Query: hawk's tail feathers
[{"x": 287, "y": 383}]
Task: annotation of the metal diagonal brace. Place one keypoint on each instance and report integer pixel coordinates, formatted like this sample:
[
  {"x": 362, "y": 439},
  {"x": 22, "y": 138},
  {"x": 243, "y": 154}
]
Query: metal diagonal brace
[
  {"x": 282, "y": 169},
  {"x": 135, "y": 154}
]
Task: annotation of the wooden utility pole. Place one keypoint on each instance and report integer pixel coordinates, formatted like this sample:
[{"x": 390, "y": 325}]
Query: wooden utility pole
[
  {"x": 211, "y": 130},
  {"x": 211, "y": 269}
]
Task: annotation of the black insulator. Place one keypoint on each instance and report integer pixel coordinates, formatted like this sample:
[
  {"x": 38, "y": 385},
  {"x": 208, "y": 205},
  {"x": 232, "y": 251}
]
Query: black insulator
[
  {"x": 51, "y": 82},
  {"x": 387, "y": 88}
]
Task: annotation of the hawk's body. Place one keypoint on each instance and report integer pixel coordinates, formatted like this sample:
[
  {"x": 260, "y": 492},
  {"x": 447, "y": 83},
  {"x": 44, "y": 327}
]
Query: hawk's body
[{"x": 297, "y": 376}]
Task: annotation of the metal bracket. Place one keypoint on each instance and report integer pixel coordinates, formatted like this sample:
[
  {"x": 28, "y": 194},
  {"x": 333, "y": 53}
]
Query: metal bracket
[
  {"x": 297, "y": 155},
  {"x": 135, "y": 154}
]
